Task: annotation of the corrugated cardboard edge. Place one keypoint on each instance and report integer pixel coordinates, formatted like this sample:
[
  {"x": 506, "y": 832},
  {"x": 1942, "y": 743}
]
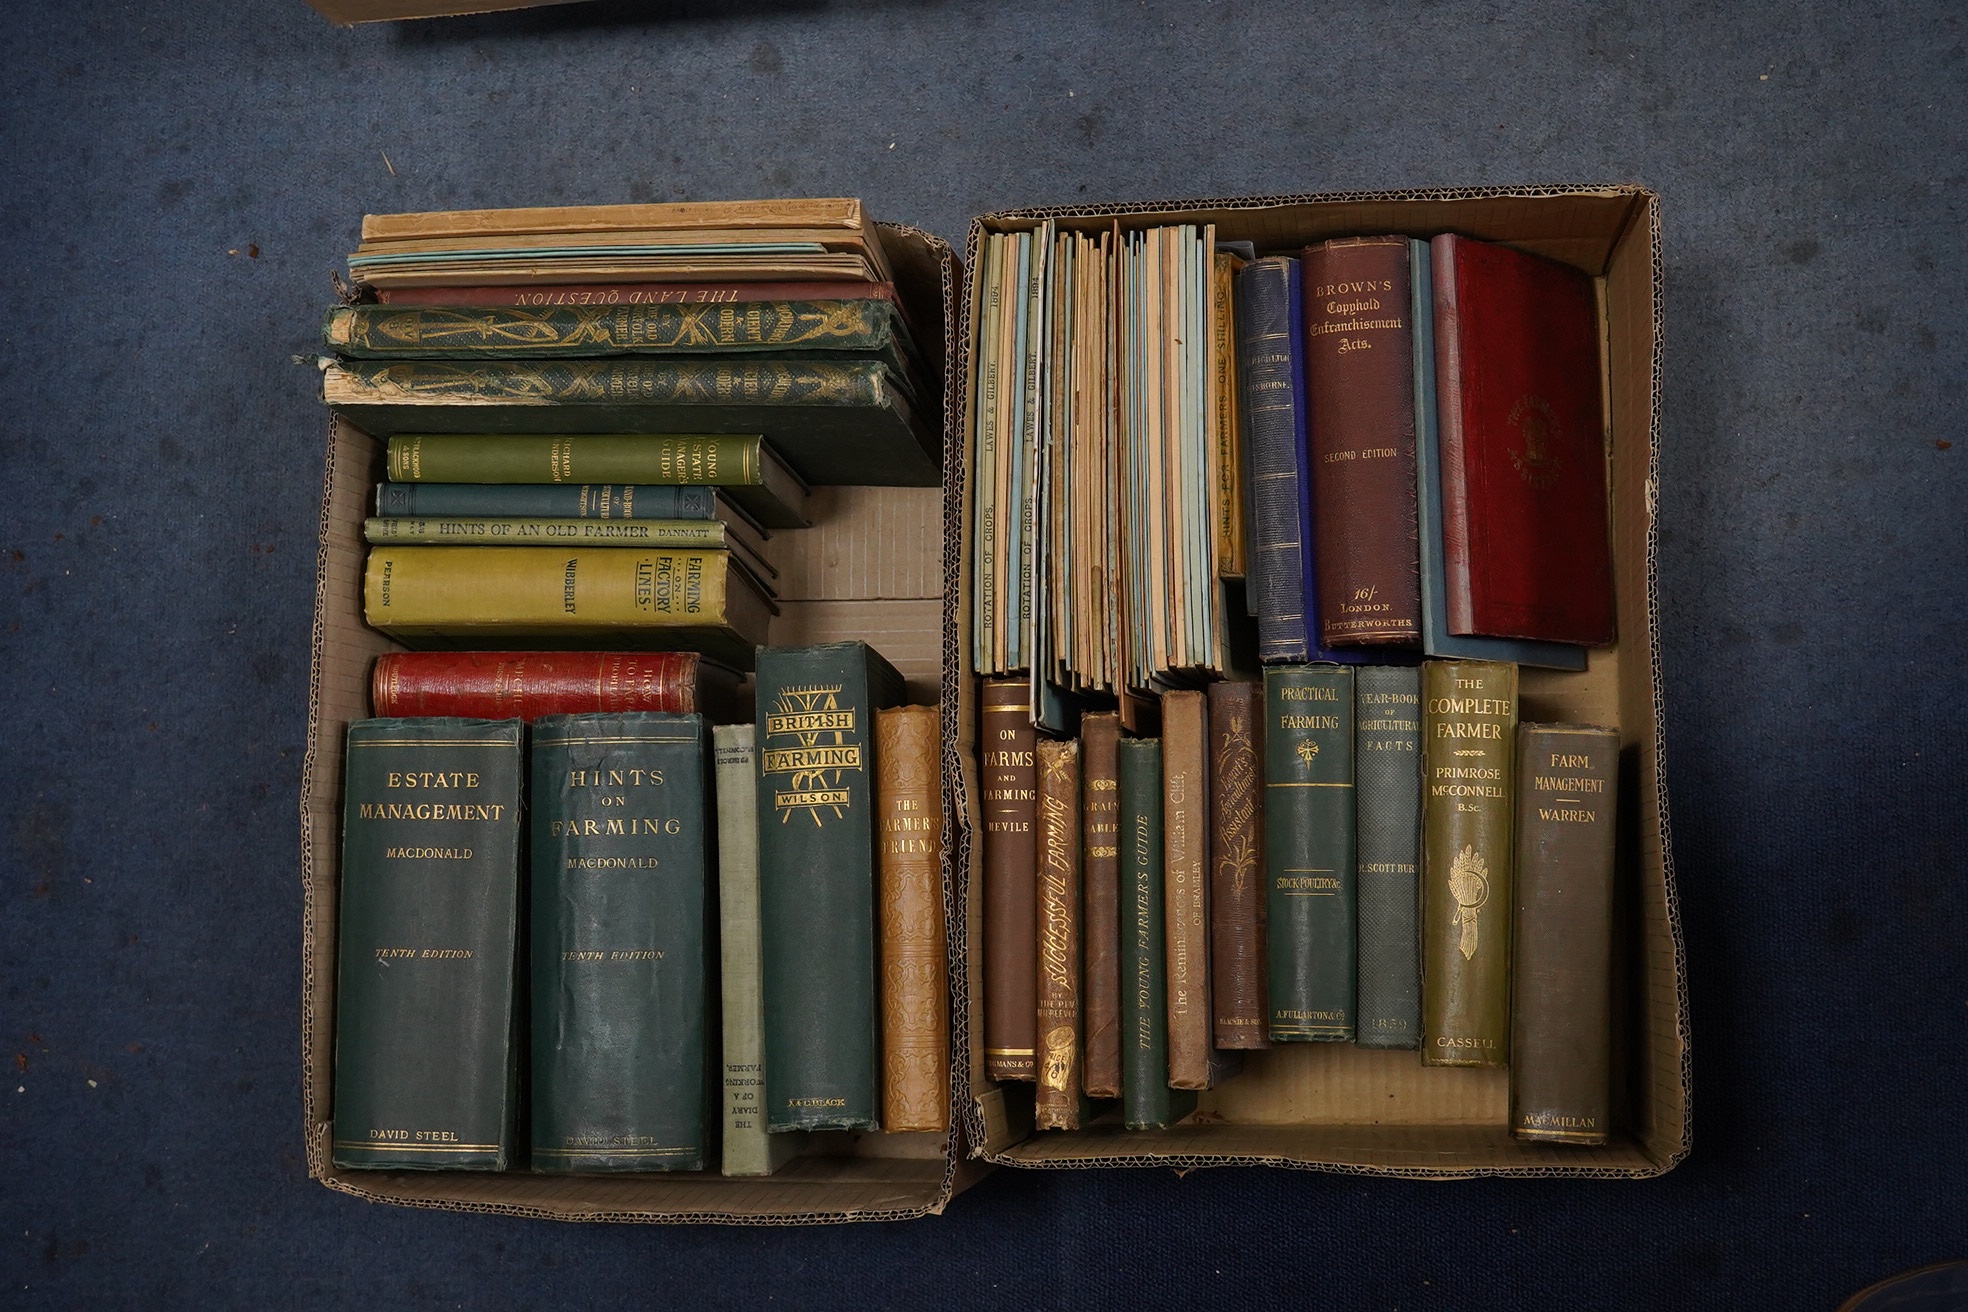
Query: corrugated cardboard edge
[
  {"x": 1645, "y": 208},
  {"x": 959, "y": 1171},
  {"x": 350, "y": 12}
]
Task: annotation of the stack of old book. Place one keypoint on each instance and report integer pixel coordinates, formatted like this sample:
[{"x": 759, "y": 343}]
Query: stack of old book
[
  {"x": 597, "y": 416},
  {"x": 1262, "y": 540}
]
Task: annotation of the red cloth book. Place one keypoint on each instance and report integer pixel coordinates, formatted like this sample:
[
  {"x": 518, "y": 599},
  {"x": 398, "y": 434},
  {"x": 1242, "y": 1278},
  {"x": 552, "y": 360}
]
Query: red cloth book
[
  {"x": 525, "y": 685},
  {"x": 1523, "y": 442}
]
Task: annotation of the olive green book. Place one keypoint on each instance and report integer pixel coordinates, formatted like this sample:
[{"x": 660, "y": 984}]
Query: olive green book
[
  {"x": 426, "y": 1005},
  {"x": 1147, "y": 1101},
  {"x": 1469, "y": 737}
]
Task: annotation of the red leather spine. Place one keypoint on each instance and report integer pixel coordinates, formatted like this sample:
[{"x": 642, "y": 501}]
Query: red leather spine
[{"x": 525, "y": 685}]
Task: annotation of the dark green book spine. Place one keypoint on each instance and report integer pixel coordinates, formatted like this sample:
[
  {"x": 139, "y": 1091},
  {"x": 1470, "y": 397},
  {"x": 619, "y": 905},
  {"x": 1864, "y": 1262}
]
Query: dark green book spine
[
  {"x": 619, "y": 900},
  {"x": 1147, "y": 1101},
  {"x": 547, "y": 500},
  {"x": 1309, "y": 850},
  {"x": 426, "y": 1072},
  {"x": 1387, "y": 803},
  {"x": 816, "y": 857},
  {"x": 856, "y": 383}
]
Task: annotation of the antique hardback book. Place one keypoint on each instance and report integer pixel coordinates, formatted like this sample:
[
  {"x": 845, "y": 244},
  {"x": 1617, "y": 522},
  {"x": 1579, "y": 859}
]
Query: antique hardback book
[
  {"x": 619, "y": 898},
  {"x": 834, "y": 421},
  {"x": 1010, "y": 845},
  {"x": 1185, "y": 861},
  {"x": 816, "y": 817},
  {"x": 1238, "y": 987},
  {"x": 915, "y": 958},
  {"x": 1469, "y": 736},
  {"x": 1523, "y": 444},
  {"x": 1436, "y": 640},
  {"x": 531, "y": 531},
  {"x": 574, "y": 596},
  {"x": 1387, "y": 811},
  {"x": 1100, "y": 904},
  {"x": 1309, "y": 850},
  {"x": 748, "y": 1148},
  {"x": 1561, "y": 975},
  {"x": 426, "y": 1018},
  {"x": 525, "y": 685},
  {"x": 1228, "y": 419},
  {"x": 549, "y": 500},
  {"x": 1359, "y": 381},
  {"x": 637, "y": 293},
  {"x": 744, "y": 467},
  {"x": 1059, "y": 1097},
  {"x": 1148, "y": 1102}
]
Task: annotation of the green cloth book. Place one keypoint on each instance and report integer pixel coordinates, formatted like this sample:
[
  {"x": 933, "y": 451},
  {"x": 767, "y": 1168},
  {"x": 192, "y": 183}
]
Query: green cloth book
[
  {"x": 1309, "y": 851},
  {"x": 619, "y": 893},
  {"x": 1147, "y": 1101},
  {"x": 816, "y": 855},
  {"x": 426, "y": 1071}
]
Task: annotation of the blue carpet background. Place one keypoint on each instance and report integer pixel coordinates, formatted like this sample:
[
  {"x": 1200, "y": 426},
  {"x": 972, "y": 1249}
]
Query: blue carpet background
[{"x": 176, "y": 184}]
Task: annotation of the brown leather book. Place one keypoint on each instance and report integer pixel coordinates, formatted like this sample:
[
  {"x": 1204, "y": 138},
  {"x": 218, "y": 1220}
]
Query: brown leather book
[
  {"x": 1237, "y": 965},
  {"x": 1100, "y": 914},
  {"x": 1185, "y": 890},
  {"x": 1010, "y": 786},
  {"x": 1057, "y": 1104},
  {"x": 1561, "y": 985},
  {"x": 915, "y": 991},
  {"x": 1360, "y": 435}
]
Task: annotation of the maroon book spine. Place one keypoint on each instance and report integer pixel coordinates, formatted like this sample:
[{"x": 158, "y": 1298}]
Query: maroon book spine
[
  {"x": 1359, "y": 383},
  {"x": 638, "y": 293},
  {"x": 1525, "y": 546},
  {"x": 525, "y": 685}
]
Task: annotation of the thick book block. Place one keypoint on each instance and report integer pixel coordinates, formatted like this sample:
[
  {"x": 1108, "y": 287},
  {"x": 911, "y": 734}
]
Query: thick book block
[
  {"x": 426, "y": 1064},
  {"x": 915, "y": 960},
  {"x": 1561, "y": 987},
  {"x": 1387, "y": 810},
  {"x": 1148, "y": 1102},
  {"x": 1523, "y": 437},
  {"x": 620, "y": 898},
  {"x": 1359, "y": 380},
  {"x": 1238, "y": 987},
  {"x": 816, "y": 817},
  {"x": 1310, "y": 851},
  {"x": 1010, "y": 788},
  {"x": 525, "y": 685},
  {"x": 748, "y": 1148},
  {"x": 1469, "y": 733},
  {"x": 1057, "y": 1103},
  {"x": 1100, "y": 984},
  {"x": 548, "y": 500}
]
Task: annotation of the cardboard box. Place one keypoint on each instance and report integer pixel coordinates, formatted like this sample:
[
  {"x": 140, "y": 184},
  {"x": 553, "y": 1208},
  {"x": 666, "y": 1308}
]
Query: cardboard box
[
  {"x": 874, "y": 566},
  {"x": 1338, "y": 1107}
]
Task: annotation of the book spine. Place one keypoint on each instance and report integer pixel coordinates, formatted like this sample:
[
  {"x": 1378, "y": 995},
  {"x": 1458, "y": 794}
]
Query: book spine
[
  {"x": 1359, "y": 364},
  {"x": 1237, "y": 901},
  {"x": 512, "y": 685},
  {"x": 1057, "y": 1105},
  {"x": 488, "y": 332},
  {"x": 638, "y": 293},
  {"x": 1228, "y": 420},
  {"x": 425, "y": 1008},
  {"x": 1561, "y": 1011},
  {"x": 1148, "y": 1103},
  {"x": 817, "y": 881},
  {"x": 701, "y": 460},
  {"x": 619, "y": 895},
  {"x": 748, "y": 1149},
  {"x": 684, "y": 534},
  {"x": 621, "y": 381},
  {"x": 1387, "y": 807},
  {"x": 1266, "y": 348},
  {"x": 1185, "y": 861},
  {"x": 1310, "y": 851},
  {"x": 914, "y": 945},
  {"x": 1010, "y": 788},
  {"x": 1457, "y": 596},
  {"x": 1469, "y": 734},
  {"x": 1100, "y": 737},
  {"x": 605, "y": 501}
]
